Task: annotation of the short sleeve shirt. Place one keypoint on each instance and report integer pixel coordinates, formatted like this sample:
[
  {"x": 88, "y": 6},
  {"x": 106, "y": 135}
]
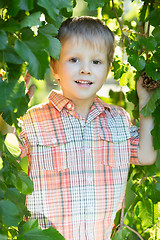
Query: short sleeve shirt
[{"x": 79, "y": 167}]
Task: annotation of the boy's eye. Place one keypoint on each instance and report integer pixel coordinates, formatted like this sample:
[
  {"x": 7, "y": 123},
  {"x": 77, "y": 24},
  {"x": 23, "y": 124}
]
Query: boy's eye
[
  {"x": 96, "y": 62},
  {"x": 74, "y": 60}
]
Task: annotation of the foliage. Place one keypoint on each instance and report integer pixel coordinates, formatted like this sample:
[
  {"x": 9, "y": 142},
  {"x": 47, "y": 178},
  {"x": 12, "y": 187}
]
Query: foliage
[
  {"x": 139, "y": 39},
  {"x": 27, "y": 40}
]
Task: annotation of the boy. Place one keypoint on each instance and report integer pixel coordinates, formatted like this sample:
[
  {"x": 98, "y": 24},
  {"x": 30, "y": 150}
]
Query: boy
[{"x": 79, "y": 148}]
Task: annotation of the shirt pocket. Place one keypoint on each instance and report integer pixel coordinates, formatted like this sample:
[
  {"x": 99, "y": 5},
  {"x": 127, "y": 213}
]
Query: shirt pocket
[
  {"x": 53, "y": 153},
  {"x": 115, "y": 140}
]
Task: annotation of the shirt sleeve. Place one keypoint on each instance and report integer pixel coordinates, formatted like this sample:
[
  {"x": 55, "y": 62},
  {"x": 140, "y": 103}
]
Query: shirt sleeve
[
  {"x": 134, "y": 141},
  {"x": 134, "y": 144}
]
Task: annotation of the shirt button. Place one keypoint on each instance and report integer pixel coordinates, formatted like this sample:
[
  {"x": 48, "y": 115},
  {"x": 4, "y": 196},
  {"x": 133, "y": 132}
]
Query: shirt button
[
  {"x": 54, "y": 141},
  {"x": 89, "y": 179},
  {"x": 69, "y": 106},
  {"x": 83, "y": 123},
  {"x": 88, "y": 151}
]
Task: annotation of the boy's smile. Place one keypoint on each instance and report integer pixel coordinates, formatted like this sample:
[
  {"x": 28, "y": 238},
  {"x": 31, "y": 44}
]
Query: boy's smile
[{"x": 81, "y": 70}]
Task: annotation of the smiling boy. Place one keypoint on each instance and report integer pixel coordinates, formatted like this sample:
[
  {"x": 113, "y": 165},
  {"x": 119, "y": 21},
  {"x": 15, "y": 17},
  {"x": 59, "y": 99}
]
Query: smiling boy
[{"x": 79, "y": 148}]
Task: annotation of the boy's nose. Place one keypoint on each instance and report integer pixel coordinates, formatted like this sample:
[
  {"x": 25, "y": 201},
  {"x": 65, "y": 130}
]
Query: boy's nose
[{"x": 85, "y": 70}]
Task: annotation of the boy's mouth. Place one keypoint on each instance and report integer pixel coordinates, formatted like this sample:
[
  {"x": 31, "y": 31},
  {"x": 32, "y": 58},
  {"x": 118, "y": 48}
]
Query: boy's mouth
[{"x": 84, "y": 82}]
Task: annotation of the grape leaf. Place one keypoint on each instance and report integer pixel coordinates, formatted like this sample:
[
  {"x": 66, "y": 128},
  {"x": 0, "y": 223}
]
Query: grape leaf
[
  {"x": 152, "y": 71},
  {"x": 137, "y": 62},
  {"x": 93, "y": 5},
  {"x": 154, "y": 17},
  {"x": 9, "y": 213},
  {"x": 151, "y": 105},
  {"x": 31, "y": 20},
  {"x": 37, "y": 58},
  {"x": 3, "y": 40},
  {"x": 144, "y": 211},
  {"x": 47, "y": 234},
  {"x": 156, "y": 130},
  {"x": 26, "y": 5},
  {"x": 10, "y": 56},
  {"x": 24, "y": 183}
]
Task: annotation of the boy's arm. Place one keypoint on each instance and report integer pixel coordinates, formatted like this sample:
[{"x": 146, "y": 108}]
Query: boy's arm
[{"x": 146, "y": 153}]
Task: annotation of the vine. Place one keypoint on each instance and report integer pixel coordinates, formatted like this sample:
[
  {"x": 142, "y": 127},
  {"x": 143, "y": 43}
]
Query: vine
[{"x": 26, "y": 42}]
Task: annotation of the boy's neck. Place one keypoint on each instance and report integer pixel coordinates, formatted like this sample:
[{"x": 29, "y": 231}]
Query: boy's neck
[{"x": 83, "y": 107}]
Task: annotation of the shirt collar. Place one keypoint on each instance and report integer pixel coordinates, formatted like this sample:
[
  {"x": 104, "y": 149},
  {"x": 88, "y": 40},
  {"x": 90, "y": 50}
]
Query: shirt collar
[{"x": 59, "y": 102}]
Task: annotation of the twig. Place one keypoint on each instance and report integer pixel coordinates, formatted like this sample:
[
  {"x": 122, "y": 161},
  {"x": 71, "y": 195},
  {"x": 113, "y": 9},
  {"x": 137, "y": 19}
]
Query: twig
[
  {"x": 123, "y": 35},
  {"x": 134, "y": 231}
]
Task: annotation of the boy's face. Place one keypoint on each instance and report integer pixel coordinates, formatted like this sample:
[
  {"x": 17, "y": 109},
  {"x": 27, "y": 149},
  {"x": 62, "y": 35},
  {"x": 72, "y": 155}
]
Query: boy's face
[{"x": 81, "y": 70}]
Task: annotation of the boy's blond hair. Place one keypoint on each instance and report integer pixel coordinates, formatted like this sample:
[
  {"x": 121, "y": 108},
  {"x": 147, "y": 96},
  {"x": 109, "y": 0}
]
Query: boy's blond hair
[{"x": 91, "y": 29}]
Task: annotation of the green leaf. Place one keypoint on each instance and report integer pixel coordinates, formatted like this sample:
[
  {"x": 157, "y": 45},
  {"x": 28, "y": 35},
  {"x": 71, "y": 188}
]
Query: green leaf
[
  {"x": 50, "y": 6},
  {"x": 3, "y": 40},
  {"x": 11, "y": 26},
  {"x": 48, "y": 234},
  {"x": 30, "y": 225},
  {"x": 9, "y": 213},
  {"x": 12, "y": 145},
  {"x": 149, "y": 43},
  {"x": 151, "y": 105},
  {"x": 24, "y": 183},
  {"x": 31, "y": 20},
  {"x": 152, "y": 71},
  {"x": 3, "y": 236},
  {"x": 10, "y": 56},
  {"x": 137, "y": 62},
  {"x": 26, "y": 5},
  {"x": 154, "y": 17},
  {"x": 122, "y": 234},
  {"x": 54, "y": 47},
  {"x": 156, "y": 33},
  {"x": 10, "y": 100},
  {"x": 126, "y": 78},
  {"x": 156, "y": 130},
  {"x": 13, "y": 7},
  {"x": 144, "y": 211},
  {"x": 37, "y": 58},
  {"x": 153, "y": 190},
  {"x": 48, "y": 29},
  {"x": 93, "y": 5},
  {"x": 144, "y": 11}
]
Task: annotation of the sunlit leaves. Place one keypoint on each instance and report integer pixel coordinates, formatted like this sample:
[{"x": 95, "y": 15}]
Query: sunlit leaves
[
  {"x": 93, "y": 5},
  {"x": 121, "y": 234},
  {"x": 145, "y": 211}
]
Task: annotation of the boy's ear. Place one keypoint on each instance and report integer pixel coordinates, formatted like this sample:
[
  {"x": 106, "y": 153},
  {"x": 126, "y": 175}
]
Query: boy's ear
[{"x": 54, "y": 66}]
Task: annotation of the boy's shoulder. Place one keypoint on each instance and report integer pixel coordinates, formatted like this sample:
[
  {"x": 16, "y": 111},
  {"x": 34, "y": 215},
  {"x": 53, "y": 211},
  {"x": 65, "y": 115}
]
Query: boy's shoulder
[
  {"x": 40, "y": 112},
  {"x": 114, "y": 109}
]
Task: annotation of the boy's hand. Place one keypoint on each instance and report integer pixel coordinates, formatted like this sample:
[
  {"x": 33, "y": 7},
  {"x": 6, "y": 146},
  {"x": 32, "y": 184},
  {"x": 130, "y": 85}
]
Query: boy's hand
[
  {"x": 143, "y": 94},
  {"x": 30, "y": 91}
]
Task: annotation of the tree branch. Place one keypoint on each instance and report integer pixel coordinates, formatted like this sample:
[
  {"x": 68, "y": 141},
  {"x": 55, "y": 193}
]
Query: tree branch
[
  {"x": 123, "y": 35},
  {"x": 134, "y": 231}
]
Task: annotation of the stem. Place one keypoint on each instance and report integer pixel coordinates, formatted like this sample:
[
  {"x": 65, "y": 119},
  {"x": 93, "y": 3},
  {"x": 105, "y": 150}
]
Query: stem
[
  {"x": 148, "y": 29},
  {"x": 134, "y": 231},
  {"x": 123, "y": 35},
  {"x": 5, "y": 67}
]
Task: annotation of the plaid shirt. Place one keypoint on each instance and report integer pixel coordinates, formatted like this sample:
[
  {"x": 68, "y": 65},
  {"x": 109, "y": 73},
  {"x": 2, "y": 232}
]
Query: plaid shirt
[{"x": 79, "y": 167}]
